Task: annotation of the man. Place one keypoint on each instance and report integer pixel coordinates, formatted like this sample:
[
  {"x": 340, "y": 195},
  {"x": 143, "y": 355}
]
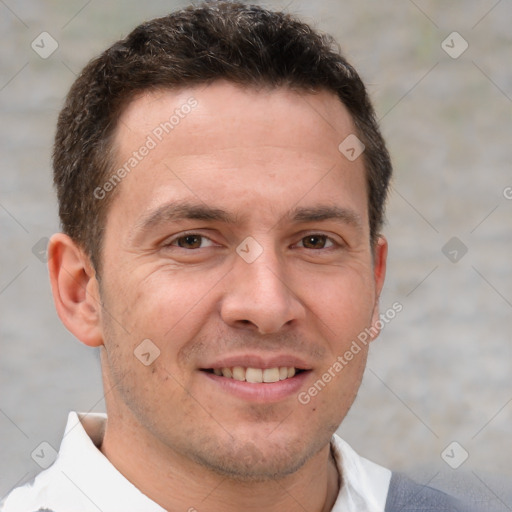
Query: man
[{"x": 221, "y": 182}]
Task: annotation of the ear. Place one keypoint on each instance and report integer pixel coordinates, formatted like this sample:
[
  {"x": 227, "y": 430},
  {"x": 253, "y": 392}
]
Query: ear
[
  {"x": 380, "y": 254},
  {"x": 75, "y": 289}
]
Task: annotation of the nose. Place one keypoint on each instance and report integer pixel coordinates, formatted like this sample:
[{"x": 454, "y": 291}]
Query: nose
[{"x": 260, "y": 295}]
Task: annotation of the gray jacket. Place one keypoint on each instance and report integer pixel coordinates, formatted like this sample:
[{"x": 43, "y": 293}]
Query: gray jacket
[{"x": 405, "y": 495}]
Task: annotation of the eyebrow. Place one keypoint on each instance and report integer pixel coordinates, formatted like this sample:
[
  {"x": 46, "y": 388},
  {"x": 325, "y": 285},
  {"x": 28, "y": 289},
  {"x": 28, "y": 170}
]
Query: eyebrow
[
  {"x": 186, "y": 210},
  {"x": 321, "y": 213},
  {"x": 182, "y": 210}
]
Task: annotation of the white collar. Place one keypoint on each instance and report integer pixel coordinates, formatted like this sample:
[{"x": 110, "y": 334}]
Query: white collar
[
  {"x": 365, "y": 484},
  {"x": 82, "y": 478}
]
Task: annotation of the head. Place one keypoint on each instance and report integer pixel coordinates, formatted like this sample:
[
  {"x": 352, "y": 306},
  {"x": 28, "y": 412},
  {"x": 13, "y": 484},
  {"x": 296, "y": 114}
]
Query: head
[{"x": 211, "y": 221}]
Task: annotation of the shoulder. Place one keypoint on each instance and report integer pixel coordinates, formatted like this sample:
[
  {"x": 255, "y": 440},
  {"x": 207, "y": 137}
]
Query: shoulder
[{"x": 406, "y": 495}]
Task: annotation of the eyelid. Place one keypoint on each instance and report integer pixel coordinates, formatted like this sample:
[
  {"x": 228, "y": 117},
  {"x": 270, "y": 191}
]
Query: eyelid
[
  {"x": 337, "y": 241},
  {"x": 170, "y": 241}
]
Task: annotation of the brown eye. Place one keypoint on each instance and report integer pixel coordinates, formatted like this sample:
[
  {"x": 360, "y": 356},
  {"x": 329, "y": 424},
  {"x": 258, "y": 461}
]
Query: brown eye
[
  {"x": 315, "y": 241},
  {"x": 189, "y": 241}
]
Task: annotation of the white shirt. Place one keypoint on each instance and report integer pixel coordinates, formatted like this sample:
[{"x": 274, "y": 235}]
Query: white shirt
[{"x": 82, "y": 479}]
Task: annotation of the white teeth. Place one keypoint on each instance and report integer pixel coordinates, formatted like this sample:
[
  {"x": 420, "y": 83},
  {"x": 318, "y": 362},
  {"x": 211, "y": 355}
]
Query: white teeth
[
  {"x": 257, "y": 375},
  {"x": 238, "y": 373},
  {"x": 226, "y": 372},
  {"x": 271, "y": 375},
  {"x": 253, "y": 375}
]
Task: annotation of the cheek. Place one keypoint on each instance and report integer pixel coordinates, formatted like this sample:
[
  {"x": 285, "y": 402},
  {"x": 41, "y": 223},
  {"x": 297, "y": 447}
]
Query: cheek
[
  {"x": 156, "y": 304},
  {"x": 157, "y": 315},
  {"x": 344, "y": 302},
  {"x": 328, "y": 399}
]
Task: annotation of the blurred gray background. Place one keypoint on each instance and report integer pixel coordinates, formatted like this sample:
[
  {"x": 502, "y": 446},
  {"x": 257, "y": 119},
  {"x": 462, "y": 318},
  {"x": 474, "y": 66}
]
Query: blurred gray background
[{"x": 441, "y": 372}]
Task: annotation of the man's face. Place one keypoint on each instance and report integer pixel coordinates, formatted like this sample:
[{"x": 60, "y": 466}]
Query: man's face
[{"x": 178, "y": 269}]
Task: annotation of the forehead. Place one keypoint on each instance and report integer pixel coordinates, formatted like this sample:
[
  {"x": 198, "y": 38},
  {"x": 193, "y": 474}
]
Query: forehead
[
  {"x": 216, "y": 141},
  {"x": 247, "y": 115}
]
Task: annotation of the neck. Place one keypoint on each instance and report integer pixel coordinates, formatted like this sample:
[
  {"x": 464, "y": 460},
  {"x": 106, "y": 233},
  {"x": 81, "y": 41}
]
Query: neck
[{"x": 177, "y": 483}]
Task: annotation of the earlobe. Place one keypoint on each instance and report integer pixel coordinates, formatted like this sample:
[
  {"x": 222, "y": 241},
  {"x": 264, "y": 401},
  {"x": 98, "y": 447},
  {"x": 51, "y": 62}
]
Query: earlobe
[
  {"x": 75, "y": 289},
  {"x": 380, "y": 254}
]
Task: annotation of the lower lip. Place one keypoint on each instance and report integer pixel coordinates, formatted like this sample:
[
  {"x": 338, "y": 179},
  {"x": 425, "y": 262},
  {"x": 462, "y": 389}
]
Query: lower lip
[{"x": 264, "y": 392}]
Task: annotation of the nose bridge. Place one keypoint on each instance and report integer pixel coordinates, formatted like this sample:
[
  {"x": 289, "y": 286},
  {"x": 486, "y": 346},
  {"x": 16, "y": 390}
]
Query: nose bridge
[
  {"x": 263, "y": 272},
  {"x": 258, "y": 292}
]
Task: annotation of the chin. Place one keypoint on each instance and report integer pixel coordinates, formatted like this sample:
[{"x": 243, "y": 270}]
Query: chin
[{"x": 248, "y": 462}]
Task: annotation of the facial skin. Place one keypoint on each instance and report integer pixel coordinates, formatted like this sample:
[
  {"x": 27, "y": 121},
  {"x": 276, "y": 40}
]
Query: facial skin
[{"x": 269, "y": 160}]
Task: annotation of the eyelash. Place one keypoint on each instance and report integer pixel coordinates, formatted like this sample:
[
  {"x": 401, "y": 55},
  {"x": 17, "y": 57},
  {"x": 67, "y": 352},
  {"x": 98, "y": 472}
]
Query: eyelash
[
  {"x": 172, "y": 243},
  {"x": 335, "y": 244}
]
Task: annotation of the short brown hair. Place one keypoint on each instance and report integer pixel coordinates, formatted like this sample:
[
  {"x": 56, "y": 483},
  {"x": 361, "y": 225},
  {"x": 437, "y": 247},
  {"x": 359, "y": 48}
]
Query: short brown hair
[{"x": 244, "y": 44}]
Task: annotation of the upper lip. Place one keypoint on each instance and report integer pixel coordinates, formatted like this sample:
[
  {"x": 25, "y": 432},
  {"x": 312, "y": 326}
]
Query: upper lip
[{"x": 258, "y": 361}]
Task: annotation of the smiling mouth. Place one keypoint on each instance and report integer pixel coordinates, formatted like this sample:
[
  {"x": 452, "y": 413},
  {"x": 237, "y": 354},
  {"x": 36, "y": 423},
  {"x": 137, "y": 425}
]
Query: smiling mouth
[{"x": 256, "y": 375}]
